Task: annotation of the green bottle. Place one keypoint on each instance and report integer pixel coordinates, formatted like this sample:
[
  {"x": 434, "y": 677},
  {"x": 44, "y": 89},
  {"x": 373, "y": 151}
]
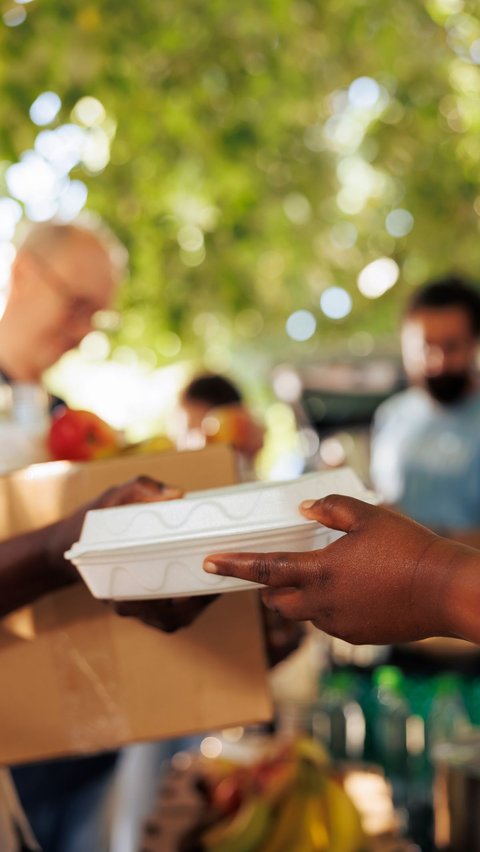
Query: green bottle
[
  {"x": 390, "y": 727},
  {"x": 337, "y": 719}
]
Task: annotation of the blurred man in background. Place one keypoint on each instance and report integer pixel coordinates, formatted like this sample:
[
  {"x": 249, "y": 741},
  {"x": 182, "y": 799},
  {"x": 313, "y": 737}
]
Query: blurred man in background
[
  {"x": 426, "y": 445},
  {"x": 62, "y": 275}
]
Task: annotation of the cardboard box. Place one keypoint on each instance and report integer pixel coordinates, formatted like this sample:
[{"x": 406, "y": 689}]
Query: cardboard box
[{"x": 77, "y": 679}]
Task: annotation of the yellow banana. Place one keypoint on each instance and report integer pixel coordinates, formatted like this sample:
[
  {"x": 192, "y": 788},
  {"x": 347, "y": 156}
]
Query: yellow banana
[
  {"x": 244, "y": 832},
  {"x": 298, "y": 808},
  {"x": 312, "y": 752},
  {"x": 298, "y": 823},
  {"x": 284, "y": 826},
  {"x": 316, "y": 824},
  {"x": 157, "y": 444},
  {"x": 344, "y": 824}
]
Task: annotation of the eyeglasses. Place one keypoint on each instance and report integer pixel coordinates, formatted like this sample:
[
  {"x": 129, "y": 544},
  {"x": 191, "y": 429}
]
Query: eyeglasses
[{"x": 77, "y": 307}]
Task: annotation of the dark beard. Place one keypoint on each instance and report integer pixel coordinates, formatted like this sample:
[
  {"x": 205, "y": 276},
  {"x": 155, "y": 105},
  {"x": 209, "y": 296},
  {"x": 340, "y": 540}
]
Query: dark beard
[{"x": 448, "y": 388}]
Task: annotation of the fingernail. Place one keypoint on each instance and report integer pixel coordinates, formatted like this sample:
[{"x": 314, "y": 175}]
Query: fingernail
[
  {"x": 307, "y": 504},
  {"x": 171, "y": 492},
  {"x": 210, "y": 568}
]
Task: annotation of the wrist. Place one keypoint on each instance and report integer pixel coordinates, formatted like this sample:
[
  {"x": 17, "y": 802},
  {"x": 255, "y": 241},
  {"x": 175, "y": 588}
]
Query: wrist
[
  {"x": 431, "y": 597},
  {"x": 462, "y": 598},
  {"x": 61, "y": 572}
]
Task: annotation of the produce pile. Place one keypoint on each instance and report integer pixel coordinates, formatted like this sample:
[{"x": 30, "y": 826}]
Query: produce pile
[
  {"x": 291, "y": 800},
  {"x": 77, "y": 435}
]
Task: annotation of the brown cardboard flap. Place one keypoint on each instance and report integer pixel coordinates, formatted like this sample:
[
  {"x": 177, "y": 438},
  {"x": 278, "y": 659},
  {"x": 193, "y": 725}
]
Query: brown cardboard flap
[
  {"x": 40, "y": 494},
  {"x": 76, "y": 678}
]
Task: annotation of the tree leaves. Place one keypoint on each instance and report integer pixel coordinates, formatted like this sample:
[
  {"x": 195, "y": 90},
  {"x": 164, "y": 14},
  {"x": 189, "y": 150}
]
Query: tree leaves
[{"x": 238, "y": 120}]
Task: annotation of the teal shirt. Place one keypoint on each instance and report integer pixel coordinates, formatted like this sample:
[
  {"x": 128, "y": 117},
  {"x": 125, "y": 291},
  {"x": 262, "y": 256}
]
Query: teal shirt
[{"x": 426, "y": 459}]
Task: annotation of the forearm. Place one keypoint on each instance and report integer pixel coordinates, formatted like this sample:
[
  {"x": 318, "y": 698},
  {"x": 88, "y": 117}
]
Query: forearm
[
  {"x": 28, "y": 570},
  {"x": 471, "y": 538},
  {"x": 463, "y": 596}
]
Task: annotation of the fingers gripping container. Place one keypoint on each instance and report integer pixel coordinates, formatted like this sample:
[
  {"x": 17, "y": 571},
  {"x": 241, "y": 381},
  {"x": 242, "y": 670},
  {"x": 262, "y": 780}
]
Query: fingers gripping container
[{"x": 156, "y": 550}]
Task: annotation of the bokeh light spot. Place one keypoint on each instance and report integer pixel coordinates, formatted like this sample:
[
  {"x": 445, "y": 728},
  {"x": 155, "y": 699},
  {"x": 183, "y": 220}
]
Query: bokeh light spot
[
  {"x": 96, "y": 151},
  {"x": 10, "y": 215},
  {"x": 15, "y": 16},
  {"x": 72, "y": 200},
  {"x": 7, "y": 256},
  {"x": 332, "y": 452},
  {"x": 399, "y": 222},
  {"x": 190, "y": 238},
  {"x": 169, "y": 344},
  {"x": 32, "y": 179},
  {"x": 89, "y": 112},
  {"x": 335, "y": 303},
  {"x": 364, "y": 92},
  {"x": 297, "y": 208},
  {"x": 475, "y": 51},
  {"x": 301, "y": 325},
  {"x": 211, "y": 747},
  {"x": 287, "y": 384},
  {"x": 378, "y": 277},
  {"x": 95, "y": 346},
  {"x": 45, "y": 108}
]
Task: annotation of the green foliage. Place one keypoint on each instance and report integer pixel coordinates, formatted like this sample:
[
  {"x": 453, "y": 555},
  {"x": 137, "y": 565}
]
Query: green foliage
[{"x": 234, "y": 118}]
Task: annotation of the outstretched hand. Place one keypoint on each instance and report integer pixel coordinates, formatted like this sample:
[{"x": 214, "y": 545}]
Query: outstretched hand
[
  {"x": 141, "y": 489},
  {"x": 168, "y": 614},
  {"x": 387, "y": 580}
]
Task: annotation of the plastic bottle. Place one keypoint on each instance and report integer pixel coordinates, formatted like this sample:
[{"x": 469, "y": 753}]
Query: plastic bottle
[
  {"x": 471, "y": 694},
  {"x": 337, "y": 718},
  {"x": 448, "y": 717},
  {"x": 419, "y": 692},
  {"x": 390, "y": 727}
]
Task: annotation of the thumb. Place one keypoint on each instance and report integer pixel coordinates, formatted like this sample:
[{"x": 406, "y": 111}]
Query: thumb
[{"x": 337, "y": 512}]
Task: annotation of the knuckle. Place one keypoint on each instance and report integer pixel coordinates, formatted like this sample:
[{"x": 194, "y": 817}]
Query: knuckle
[
  {"x": 321, "y": 576},
  {"x": 325, "y": 619},
  {"x": 145, "y": 480},
  {"x": 261, "y": 570},
  {"x": 280, "y": 564},
  {"x": 332, "y": 502}
]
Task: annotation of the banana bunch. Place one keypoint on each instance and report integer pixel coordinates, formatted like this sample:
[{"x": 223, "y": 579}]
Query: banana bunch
[
  {"x": 289, "y": 803},
  {"x": 151, "y": 446}
]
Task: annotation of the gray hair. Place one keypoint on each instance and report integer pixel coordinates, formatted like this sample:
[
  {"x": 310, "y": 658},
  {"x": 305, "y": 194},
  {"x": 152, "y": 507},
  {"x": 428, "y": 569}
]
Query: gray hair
[{"x": 43, "y": 237}]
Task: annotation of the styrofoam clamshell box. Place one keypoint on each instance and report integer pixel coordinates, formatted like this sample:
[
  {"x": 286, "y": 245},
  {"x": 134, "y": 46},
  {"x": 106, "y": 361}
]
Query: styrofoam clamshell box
[{"x": 156, "y": 550}]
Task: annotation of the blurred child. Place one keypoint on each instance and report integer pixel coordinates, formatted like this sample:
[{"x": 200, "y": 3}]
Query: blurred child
[{"x": 213, "y": 411}]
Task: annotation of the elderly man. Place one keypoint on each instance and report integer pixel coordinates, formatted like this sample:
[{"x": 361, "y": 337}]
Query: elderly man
[{"x": 61, "y": 276}]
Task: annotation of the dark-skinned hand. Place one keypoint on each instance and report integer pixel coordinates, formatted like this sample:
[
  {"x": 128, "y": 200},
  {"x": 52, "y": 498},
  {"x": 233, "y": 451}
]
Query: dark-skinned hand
[
  {"x": 387, "y": 580},
  {"x": 168, "y": 614}
]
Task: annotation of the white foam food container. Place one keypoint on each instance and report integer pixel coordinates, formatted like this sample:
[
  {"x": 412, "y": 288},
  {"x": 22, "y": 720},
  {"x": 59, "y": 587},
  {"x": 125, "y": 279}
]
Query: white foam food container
[{"x": 156, "y": 550}]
